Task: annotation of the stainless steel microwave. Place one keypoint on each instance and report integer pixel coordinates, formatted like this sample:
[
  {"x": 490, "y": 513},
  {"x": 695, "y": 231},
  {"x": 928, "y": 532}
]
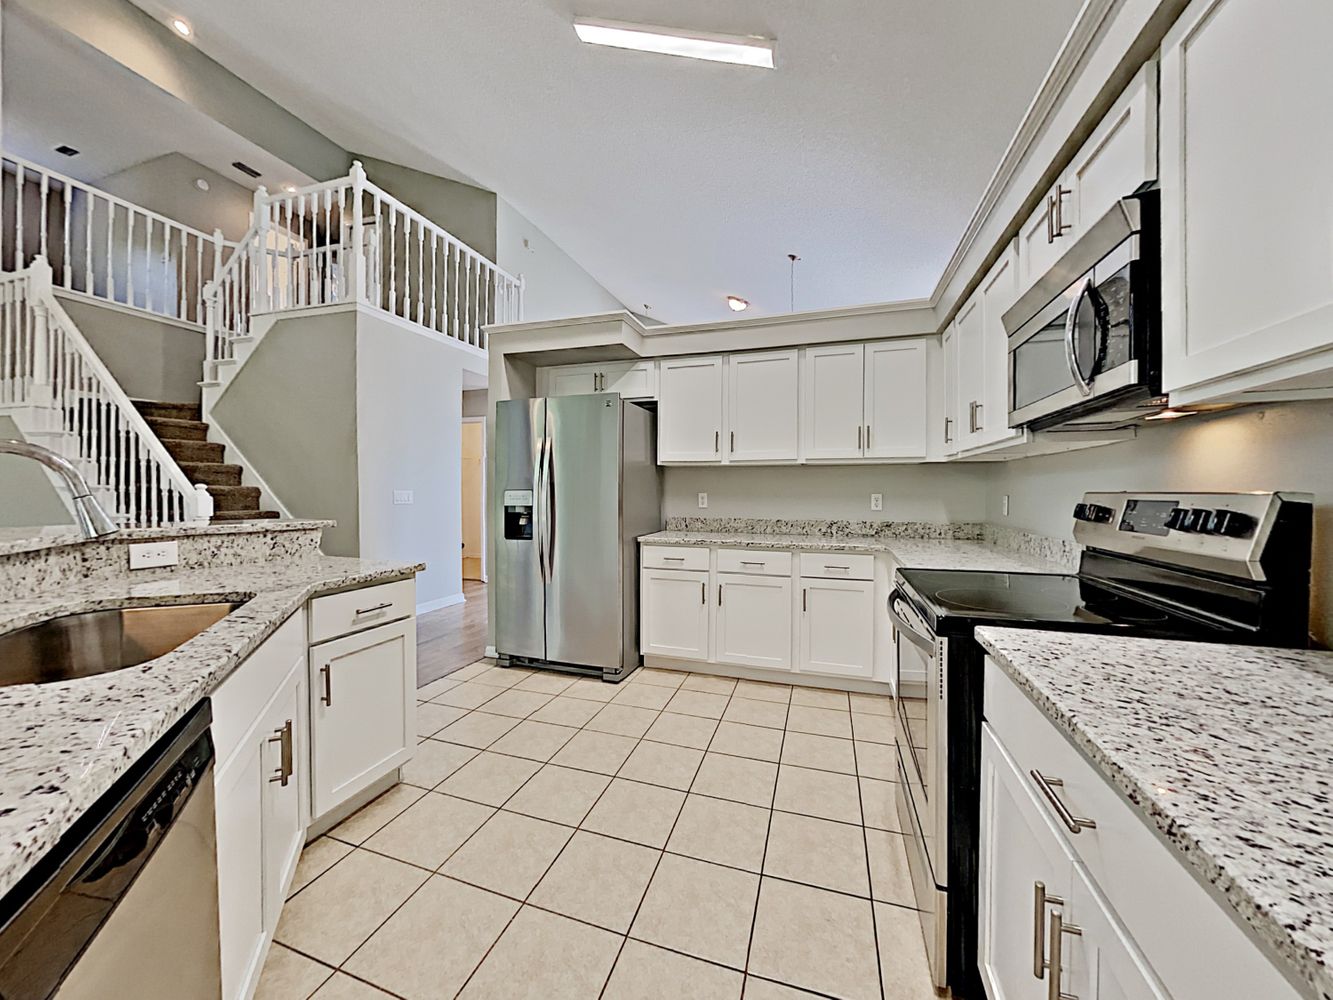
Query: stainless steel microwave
[{"x": 1085, "y": 340}]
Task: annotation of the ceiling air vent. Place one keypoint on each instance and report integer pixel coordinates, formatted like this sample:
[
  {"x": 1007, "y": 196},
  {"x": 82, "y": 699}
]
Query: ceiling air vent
[
  {"x": 246, "y": 169},
  {"x": 67, "y": 151}
]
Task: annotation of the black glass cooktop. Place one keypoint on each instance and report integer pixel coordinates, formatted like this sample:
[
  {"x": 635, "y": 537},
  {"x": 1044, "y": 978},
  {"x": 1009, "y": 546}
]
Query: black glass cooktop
[{"x": 955, "y": 601}]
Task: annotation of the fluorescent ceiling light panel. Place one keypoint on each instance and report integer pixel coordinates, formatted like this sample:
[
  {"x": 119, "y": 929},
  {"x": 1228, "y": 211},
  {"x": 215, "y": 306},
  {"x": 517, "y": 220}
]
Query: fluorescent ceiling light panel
[{"x": 744, "y": 50}]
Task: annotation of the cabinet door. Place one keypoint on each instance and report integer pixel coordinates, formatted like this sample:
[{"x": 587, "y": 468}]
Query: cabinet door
[
  {"x": 762, "y": 408},
  {"x": 1244, "y": 90},
  {"x": 689, "y": 410},
  {"x": 239, "y": 789},
  {"x": 571, "y": 380},
  {"x": 1039, "y": 244},
  {"x": 1020, "y": 853},
  {"x": 998, "y": 292},
  {"x": 969, "y": 328},
  {"x": 1120, "y": 155},
  {"x": 283, "y": 746},
  {"x": 673, "y": 613},
  {"x": 630, "y": 381},
  {"x": 838, "y": 627},
  {"x": 896, "y": 399},
  {"x": 949, "y": 427},
  {"x": 362, "y": 711},
  {"x": 831, "y": 401},
  {"x": 1101, "y": 960},
  {"x": 753, "y": 621}
]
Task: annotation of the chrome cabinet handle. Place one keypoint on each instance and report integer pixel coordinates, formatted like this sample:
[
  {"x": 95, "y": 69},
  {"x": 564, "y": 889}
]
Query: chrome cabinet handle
[
  {"x": 858, "y": 437},
  {"x": 1060, "y": 226},
  {"x": 804, "y": 594},
  {"x": 840, "y": 569},
  {"x": 717, "y": 441},
  {"x": 867, "y": 435},
  {"x": 948, "y": 430},
  {"x": 286, "y": 768},
  {"x": 1075, "y": 824},
  {"x": 1058, "y": 931},
  {"x": 753, "y": 562},
  {"x": 372, "y": 609},
  {"x": 733, "y": 441},
  {"x": 703, "y": 592},
  {"x": 326, "y": 672},
  {"x": 719, "y": 595},
  {"x": 1040, "y": 900},
  {"x": 673, "y": 559},
  {"x": 1050, "y": 219}
]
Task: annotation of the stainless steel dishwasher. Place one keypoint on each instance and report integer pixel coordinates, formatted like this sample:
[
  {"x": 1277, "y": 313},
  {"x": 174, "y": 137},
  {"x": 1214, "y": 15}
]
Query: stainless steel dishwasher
[{"x": 126, "y": 903}]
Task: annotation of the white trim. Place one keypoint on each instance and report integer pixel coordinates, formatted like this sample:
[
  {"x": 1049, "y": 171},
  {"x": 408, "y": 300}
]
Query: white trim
[
  {"x": 792, "y": 677},
  {"x": 92, "y": 300},
  {"x": 249, "y": 475},
  {"x": 492, "y": 652},
  {"x": 443, "y": 602}
]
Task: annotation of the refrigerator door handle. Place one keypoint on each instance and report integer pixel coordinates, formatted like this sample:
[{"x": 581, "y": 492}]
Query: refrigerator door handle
[
  {"x": 549, "y": 500},
  {"x": 538, "y": 479}
]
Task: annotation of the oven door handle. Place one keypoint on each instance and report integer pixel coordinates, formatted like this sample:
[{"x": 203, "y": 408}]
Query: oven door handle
[{"x": 899, "y": 612}]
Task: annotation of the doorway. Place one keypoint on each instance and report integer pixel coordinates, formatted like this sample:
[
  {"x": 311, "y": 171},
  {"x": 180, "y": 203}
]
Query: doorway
[{"x": 474, "y": 499}]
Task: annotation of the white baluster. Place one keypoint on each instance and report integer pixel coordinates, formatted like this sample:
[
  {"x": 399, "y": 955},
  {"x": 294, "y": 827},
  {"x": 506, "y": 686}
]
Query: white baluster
[
  {"x": 44, "y": 192},
  {"x": 434, "y": 276},
  {"x": 67, "y": 250},
  {"x": 356, "y": 272},
  {"x": 129, "y": 256},
  {"x": 19, "y": 183},
  {"x": 393, "y": 260},
  {"x": 110, "y": 268},
  {"x": 261, "y": 301},
  {"x": 89, "y": 204}
]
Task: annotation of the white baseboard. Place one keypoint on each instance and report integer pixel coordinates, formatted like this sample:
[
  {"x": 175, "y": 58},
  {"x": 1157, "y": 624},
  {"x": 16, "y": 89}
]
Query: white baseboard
[
  {"x": 443, "y": 602},
  {"x": 492, "y": 652}
]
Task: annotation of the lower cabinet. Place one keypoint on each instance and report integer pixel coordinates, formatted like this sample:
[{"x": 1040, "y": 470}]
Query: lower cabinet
[
  {"x": 838, "y": 627},
  {"x": 362, "y": 711},
  {"x": 753, "y": 623},
  {"x": 673, "y": 613}
]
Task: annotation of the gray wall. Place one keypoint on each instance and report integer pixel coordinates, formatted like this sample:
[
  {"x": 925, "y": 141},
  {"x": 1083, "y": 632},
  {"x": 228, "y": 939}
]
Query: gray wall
[
  {"x": 28, "y": 498},
  {"x": 555, "y": 285},
  {"x": 166, "y": 184},
  {"x": 151, "y": 359},
  {"x": 953, "y": 492},
  {"x": 291, "y": 410},
  {"x": 467, "y": 212},
  {"x": 475, "y": 402},
  {"x": 1280, "y": 446}
]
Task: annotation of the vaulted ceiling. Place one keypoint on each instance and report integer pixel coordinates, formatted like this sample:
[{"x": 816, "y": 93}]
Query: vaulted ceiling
[{"x": 676, "y": 182}]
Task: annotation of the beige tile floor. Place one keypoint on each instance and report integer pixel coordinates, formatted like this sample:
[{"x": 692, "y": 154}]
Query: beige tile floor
[{"x": 677, "y": 835}]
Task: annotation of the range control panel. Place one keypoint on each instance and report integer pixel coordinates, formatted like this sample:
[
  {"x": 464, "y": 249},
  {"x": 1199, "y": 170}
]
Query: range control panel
[{"x": 1224, "y": 532}]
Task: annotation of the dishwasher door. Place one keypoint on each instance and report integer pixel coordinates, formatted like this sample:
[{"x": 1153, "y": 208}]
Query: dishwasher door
[{"x": 126, "y": 904}]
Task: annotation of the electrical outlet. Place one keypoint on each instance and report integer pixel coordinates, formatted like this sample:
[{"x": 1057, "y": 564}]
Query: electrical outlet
[
  {"x": 703, "y": 501},
  {"x": 1004, "y": 505},
  {"x": 877, "y": 501},
  {"x": 146, "y": 555},
  {"x": 403, "y": 497}
]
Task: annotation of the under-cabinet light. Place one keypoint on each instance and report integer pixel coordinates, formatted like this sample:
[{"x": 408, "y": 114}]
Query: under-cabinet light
[
  {"x": 1170, "y": 415},
  {"x": 744, "y": 50}
]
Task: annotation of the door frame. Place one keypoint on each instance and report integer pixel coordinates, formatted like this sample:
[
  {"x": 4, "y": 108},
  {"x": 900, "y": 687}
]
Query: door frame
[{"x": 485, "y": 454}]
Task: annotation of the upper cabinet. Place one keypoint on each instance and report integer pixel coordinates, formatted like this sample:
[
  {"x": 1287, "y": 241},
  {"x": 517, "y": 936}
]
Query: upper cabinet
[
  {"x": 896, "y": 399},
  {"x": 866, "y": 401},
  {"x": 1247, "y": 198},
  {"x": 628, "y": 379},
  {"x": 762, "y": 408},
  {"x": 689, "y": 413},
  {"x": 833, "y": 412}
]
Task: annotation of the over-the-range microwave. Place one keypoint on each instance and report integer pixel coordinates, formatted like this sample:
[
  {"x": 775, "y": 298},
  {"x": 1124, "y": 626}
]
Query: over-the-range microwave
[{"x": 1085, "y": 340}]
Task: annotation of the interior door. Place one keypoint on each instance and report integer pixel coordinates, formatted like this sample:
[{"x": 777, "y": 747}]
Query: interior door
[
  {"x": 520, "y": 600},
  {"x": 581, "y": 526}
]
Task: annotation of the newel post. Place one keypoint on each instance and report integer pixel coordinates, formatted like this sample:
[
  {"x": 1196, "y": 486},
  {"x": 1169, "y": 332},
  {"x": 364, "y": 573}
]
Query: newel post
[
  {"x": 263, "y": 252},
  {"x": 356, "y": 272},
  {"x": 39, "y": 291},
  {"x": 210, "y": 322},
  {"x": 203, "y": 504}
]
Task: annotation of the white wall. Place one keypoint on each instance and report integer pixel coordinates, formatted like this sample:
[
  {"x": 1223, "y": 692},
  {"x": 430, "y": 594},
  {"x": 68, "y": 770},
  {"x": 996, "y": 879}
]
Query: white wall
[
  {"x": 555, "y": 285},
  {"x": 911, "y": 492}
]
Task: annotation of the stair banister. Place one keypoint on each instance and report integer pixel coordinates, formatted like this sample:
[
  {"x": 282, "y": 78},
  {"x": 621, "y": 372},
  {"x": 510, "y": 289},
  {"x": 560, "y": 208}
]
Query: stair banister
[{"x": 355, "y": 275}]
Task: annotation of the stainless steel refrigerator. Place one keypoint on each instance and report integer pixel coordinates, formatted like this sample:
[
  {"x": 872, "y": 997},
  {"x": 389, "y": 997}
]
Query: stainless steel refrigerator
[{"x": 576, "y": 482}]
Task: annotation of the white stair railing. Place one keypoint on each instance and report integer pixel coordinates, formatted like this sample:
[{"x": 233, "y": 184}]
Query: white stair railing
[
  {"x": 48, "y": 370},
  {"x": 299, "y": 254},
  {"x": 103, "y": 246}
]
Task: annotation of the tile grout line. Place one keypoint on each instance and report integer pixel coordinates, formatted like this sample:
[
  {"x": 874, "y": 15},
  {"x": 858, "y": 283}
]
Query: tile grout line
[
  {"x": 870, "y": 884},
  {"x": 763, "y": 860}
]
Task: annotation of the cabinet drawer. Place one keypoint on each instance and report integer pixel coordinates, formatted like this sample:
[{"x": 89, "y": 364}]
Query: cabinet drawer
[
  {"x": 674, "y": 557},
  {"x": 754, "y": 561},
  {"x": 354, "y": 610},
  {"x": 837, "y": 566}
]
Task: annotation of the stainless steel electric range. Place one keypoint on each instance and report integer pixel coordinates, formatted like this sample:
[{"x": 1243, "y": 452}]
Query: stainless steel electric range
[{"x": 1231, "y": 567}]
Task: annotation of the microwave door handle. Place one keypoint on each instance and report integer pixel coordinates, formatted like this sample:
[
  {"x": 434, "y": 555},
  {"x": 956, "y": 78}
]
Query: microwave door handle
[{"x": 1071, "y": 322}]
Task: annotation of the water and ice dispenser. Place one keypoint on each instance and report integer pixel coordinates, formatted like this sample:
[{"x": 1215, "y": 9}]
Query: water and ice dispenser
[{"x": 518, "y": 515}]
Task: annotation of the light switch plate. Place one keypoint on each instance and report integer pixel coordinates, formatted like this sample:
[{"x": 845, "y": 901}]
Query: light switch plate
[
  {"x": 877, "y": 501},
  {"x": 703, "y": 501},
  {"x": 147, "y": 555},
  {"x": 403, "y": 497}
]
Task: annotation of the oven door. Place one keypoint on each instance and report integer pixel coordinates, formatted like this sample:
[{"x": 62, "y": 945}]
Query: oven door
[{"x": 1084, "y": 351}]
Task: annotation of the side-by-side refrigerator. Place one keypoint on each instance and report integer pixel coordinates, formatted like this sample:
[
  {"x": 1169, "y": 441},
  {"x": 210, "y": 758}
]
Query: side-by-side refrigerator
[{"x": 576, "y": 483}]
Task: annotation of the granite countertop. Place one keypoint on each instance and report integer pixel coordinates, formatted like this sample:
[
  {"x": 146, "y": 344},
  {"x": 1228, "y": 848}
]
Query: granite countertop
[
  {"x": 1224, "y": 749},
  {"x": 16, "y": 540},
  {"x": 64, "y": 744},
  {"x": 920, "y": 553}
]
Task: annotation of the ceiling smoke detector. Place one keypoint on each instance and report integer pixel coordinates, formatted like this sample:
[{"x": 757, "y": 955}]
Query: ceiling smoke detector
[
  {"x": 737, "y": 304},
  {"x": 743, "y": 50}
]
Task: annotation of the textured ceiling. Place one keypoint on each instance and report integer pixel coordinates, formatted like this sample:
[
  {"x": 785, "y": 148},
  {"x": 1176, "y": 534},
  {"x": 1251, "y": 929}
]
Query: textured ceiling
[{"x": 676, "y": 182}]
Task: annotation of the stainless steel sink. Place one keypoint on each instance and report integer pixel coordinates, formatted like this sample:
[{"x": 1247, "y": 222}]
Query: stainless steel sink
[{"x": 98, "y": 642}]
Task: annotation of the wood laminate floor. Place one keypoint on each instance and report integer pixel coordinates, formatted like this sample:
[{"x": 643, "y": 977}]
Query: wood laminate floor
[{"x": 451, "y": 638}]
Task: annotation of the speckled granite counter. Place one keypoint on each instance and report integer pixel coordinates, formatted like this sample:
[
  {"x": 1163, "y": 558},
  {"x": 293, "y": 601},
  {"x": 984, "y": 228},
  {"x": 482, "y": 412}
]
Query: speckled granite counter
[
  {"x": 1239, "y": 735},
  {"x": 922, "y": 553},
  {"x": 63, "y": 745},
  {"x": 15, "y": 540}
]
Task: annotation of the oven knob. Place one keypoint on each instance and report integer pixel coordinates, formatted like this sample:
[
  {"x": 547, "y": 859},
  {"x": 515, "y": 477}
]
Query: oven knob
[
  {"x": 1094, "y": 512},
  {"x": 1175, "y": 521},
  {"x": 1196, "y": 520},
  {"x": 1230, "y": 523}
]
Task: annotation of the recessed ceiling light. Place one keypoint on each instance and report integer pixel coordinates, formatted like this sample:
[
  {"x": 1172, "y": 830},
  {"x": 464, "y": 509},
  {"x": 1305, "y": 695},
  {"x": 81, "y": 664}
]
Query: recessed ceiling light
[
  {"x": 744, "y": 50},
  {"x": 1170, "y": 415},
  {"x": 201, "y": 184},
  {"x": 737, "y": 304},
  {"x": 289, "y": 188},
  {"x": 182, "y": 27}
]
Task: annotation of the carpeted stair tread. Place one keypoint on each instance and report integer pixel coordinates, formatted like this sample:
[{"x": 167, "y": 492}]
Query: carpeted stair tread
[
  {"x": 234, "y": 497},
  {"x": 243, "y": 515},
  {"x": 167, "y": 411},
  {"x": 178, "y": 430},
  {"x": 194, "y": 451},
  {"x": 212, "y": 473}
]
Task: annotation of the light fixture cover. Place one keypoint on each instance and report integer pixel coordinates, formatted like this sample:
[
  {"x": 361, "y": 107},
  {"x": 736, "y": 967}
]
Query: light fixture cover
[
  {"x": 182, "y": 27},
  {"x": 744, "y": 50},
  {"x": 737, "y": 304}
]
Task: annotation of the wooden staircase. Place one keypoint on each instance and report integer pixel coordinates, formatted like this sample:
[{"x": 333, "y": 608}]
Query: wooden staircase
[{"x": 185, "y": 436}]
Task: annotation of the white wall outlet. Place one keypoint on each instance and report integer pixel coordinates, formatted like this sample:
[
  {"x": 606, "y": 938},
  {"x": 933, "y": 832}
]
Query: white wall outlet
[
  {"x": 703, "y": 501},
  {"x": 146, "y": 555},
  {"x": 1004, "y": 505},
  {"x": 877, "y": 501},
  {"x": 403, "y": 497}
]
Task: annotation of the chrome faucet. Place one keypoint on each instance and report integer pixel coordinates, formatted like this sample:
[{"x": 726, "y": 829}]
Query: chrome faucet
[{"x": 92, "y": 520}]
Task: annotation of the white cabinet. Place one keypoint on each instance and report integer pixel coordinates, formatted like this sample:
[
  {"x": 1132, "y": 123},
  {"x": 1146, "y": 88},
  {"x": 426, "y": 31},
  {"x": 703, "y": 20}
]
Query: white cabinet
[
  {"x": 629, "y": 379},
  {"x": 949, "y": 352},
  {"x": 969, "y": 333},
  {"x": 896, "y": 399},
  {"x": 239, "y": 787},
  {"x": 362, "y": 711},
  {"x": 674, "y": 612},
  {"x": 762, "y": 407},
  {"x": 832, "y": 409},
  {"x": 837, "y": 627},
  {"x": 981, "y": 346},
  {"x": 752, "y": 626},
  {"x": 283, "y": 729},
  {"x": 571, "y": 380},
  {"x": 1247, "y": 157},
  {"x": 689, "y": 410}
]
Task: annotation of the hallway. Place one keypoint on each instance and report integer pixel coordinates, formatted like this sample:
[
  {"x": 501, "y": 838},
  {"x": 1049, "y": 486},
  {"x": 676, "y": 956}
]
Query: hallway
[{"x": 451, "y": 638}]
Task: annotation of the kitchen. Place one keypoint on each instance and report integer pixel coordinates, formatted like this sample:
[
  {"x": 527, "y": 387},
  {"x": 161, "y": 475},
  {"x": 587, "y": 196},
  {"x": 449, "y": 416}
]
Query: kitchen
[{"x": 973, "y": 645}]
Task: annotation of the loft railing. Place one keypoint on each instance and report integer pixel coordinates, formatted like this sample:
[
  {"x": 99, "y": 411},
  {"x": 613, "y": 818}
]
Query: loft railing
[
  {"x": 103, "y": 246},
  {"x": 348, "y": 240},
  {"x": 50, "y": 374}
]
